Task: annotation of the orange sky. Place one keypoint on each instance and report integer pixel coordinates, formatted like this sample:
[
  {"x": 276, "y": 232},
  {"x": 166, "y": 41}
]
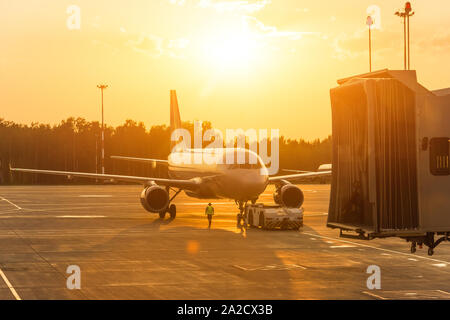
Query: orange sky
[{"x": 239, "y": 64}]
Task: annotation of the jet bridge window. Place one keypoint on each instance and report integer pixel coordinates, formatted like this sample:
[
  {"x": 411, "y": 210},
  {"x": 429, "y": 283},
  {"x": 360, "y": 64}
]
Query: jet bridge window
[{"x": 439, "y": 156}]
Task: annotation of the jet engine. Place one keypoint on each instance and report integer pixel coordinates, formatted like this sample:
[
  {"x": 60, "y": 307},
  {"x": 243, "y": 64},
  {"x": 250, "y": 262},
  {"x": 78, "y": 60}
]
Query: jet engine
[
  {"x": 155, "y": 199},
  {"x": 289, "y": 196}
]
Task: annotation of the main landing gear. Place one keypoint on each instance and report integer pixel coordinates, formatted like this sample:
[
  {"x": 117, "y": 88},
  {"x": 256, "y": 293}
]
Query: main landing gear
[
  {"x": 172, "y": 208},
  {"x": 241, "y": 217}
]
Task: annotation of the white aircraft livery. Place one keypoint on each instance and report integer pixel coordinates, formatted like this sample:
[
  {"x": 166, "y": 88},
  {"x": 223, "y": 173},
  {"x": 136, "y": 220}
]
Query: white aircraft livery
[{"x": 239, "y": 182}]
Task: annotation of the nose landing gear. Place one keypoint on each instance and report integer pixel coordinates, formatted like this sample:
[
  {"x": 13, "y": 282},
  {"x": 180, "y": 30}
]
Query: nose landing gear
[{"x": 241, "y": 215}]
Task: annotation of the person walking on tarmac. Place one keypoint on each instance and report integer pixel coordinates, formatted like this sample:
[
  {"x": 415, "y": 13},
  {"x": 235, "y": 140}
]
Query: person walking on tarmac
[{"x": 209, "y": 211}]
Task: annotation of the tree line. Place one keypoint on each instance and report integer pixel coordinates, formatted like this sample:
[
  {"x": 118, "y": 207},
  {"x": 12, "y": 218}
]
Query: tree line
[{"x": 75, "y": 145}]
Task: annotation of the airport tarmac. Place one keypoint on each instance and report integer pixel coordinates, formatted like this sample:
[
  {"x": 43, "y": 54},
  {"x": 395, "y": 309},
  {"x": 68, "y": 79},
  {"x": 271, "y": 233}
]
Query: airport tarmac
[{"x": 126, "y": 253}]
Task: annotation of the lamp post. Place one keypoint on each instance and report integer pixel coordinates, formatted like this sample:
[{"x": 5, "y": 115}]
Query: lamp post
[
  {"x": 102, "y": 87},
  {"x": 409, "y": 13},
  {"x": 96, "y": 155},
  {"x": 369, "y": 23}
]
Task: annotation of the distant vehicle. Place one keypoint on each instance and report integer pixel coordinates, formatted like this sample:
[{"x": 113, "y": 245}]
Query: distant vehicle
[
  {"x": 272, "y": 217},
  {"x": 240, "y": 182},
  {"x": 324, "y": 167}
]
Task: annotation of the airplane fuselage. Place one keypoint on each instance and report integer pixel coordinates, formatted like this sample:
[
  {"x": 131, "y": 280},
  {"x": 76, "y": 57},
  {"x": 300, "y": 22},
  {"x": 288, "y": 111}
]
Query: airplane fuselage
[{"x": 225, "y": 173}]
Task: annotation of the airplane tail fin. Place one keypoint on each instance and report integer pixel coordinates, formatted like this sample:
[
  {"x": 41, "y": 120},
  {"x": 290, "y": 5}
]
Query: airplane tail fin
[{"x": 175, "y": 119}]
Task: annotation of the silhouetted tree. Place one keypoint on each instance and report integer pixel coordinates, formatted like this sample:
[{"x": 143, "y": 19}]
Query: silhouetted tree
[{"x": 71, "y": 146}]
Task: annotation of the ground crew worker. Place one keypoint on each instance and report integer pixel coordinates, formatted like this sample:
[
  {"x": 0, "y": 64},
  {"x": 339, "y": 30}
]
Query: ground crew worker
[{"x": 209, "y": 211}]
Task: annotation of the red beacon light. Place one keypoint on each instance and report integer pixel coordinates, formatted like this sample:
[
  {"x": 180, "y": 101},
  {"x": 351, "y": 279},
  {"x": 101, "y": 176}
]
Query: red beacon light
[{"x": 408, "y": 8}]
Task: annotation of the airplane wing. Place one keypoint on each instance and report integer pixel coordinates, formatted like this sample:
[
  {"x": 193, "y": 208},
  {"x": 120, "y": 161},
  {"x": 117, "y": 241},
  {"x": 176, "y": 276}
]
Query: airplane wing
[
  {"x": 297, "y": 171},
  {"x": 139, "y": 159},
  {"x": 191, "y": 184},
  {"x": 298, "y": 176}
]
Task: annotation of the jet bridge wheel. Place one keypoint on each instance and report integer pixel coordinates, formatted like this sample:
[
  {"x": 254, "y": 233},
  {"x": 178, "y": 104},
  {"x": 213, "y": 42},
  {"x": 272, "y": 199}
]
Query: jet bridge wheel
[{"x": 162, "y": 215}]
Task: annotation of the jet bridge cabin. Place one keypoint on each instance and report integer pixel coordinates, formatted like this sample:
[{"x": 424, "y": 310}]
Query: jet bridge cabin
[{"x": 390, "y": 159}]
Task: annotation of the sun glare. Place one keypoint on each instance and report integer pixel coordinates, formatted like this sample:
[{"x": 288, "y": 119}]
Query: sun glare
[{"x": 231, "y": 51}]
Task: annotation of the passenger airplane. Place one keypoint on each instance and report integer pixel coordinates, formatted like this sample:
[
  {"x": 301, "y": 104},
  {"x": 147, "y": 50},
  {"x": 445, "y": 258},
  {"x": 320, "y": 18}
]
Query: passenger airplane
[{"x": 242, "y": 182}]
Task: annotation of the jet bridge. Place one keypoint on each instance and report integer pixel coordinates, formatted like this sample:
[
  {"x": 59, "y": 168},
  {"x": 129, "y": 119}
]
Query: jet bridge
[{"x": 390, "y": 159}]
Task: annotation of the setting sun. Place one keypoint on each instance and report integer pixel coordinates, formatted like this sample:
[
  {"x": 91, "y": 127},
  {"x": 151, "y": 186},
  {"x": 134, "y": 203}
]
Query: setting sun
[{"x": 231, "y": 51}]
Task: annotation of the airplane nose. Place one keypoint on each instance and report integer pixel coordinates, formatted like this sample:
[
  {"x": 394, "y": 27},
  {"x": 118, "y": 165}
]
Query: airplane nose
[{"x": 253, "y": 184}]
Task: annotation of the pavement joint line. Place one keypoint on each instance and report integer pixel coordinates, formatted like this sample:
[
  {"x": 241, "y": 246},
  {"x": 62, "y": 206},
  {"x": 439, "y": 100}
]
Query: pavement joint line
[
  {"x": 25, "y": 240},
  {"x": 377, "y": 248},
  {"x": 11, "y": 288},
  {"x": 73, "y": 208},
  {"x": 8, "y": 211},
  {"x": 80, "y": 217},
  {"x": 11, "y": 203},
  {"x": 374, "y": 295}
]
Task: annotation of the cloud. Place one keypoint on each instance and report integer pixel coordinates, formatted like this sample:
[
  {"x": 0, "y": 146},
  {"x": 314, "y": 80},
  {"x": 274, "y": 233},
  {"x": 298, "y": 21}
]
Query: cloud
[
  {"x": 254, "y": 25},
  {"x": 439, "y": 42},
  {"x": 175, "y": 48},
  {"x": 234, "y": 5},
  {"x": 95, "y": 22},
  {"x": 155, "y": 46},
  {"x": 178, "y": 2},
  {"x": 150, "y": 45},
  {"x": 353, "y": 46},
  {"x": 305, "y": 10}
]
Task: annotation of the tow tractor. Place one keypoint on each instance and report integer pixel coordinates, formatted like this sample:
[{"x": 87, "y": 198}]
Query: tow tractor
[{"x": 273, "y": 216}]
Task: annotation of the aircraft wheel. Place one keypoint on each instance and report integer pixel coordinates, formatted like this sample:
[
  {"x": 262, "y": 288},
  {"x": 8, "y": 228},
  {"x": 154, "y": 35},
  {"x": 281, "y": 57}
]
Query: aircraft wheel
[
  {"x": 162, "y": 215},
  {"x": 430, "y": 251},
  {"x": 173, "y": 211}
]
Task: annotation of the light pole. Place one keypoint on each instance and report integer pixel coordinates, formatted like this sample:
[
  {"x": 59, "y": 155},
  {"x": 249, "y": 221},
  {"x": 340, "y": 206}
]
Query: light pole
[
  {"x": 405, "y": 15},
  {"x": 96, "y": 155},
  {"x": 102, "y": 87},
  {"x": 409, "y": 13},
  {"x": 369, "y": 23}
]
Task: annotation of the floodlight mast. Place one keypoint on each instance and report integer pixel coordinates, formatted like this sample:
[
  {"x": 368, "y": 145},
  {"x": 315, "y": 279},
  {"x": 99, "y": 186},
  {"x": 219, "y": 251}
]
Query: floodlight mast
[
  {"x": 369, "y": 23},
  {"x": 102, "y": 87},
  {"x": 405, "y": 15}
]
